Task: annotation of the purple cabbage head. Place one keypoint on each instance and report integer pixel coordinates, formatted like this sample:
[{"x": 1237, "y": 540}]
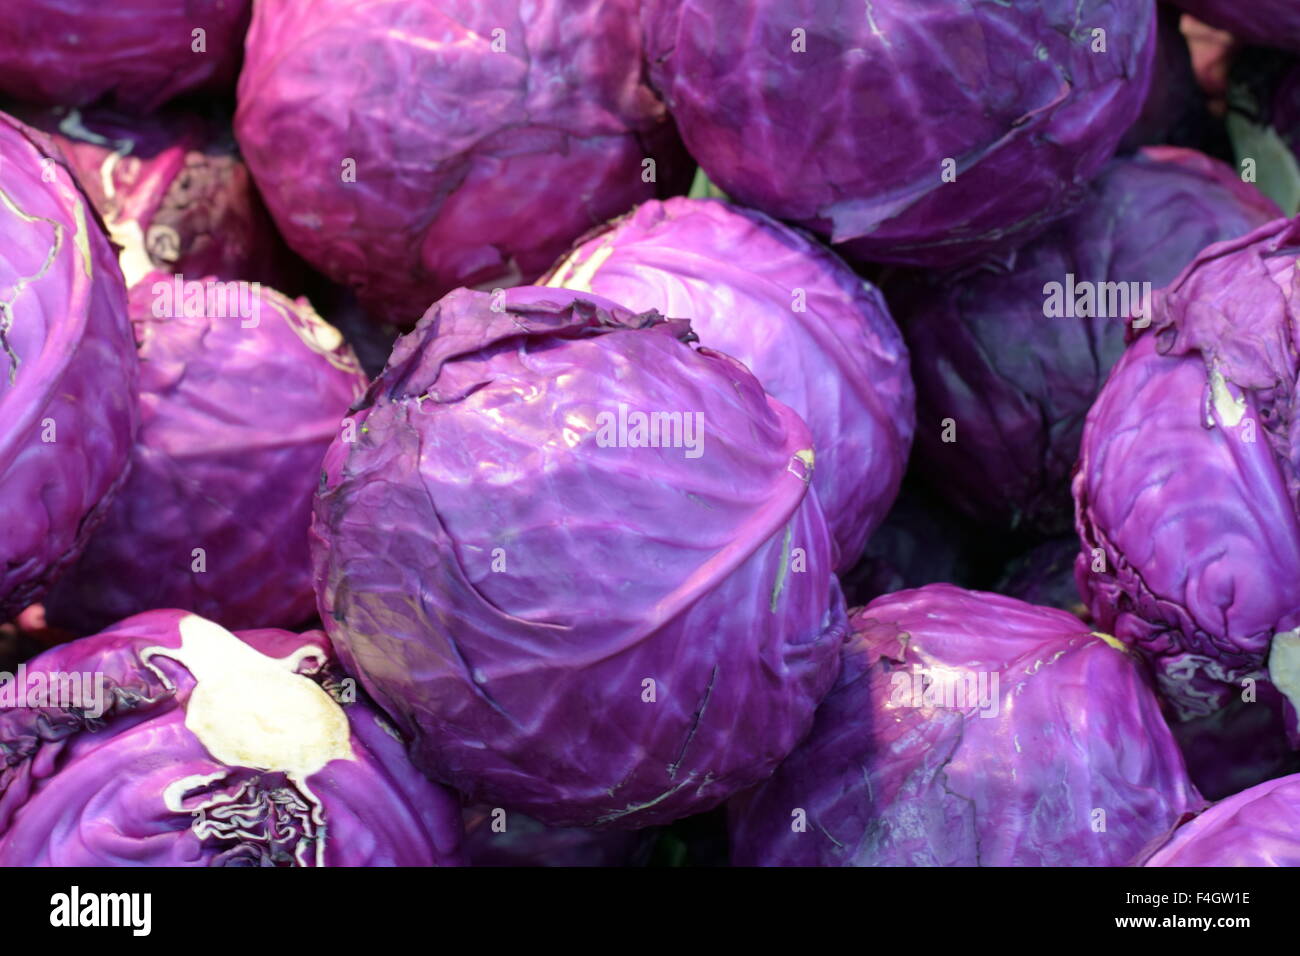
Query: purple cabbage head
[
  {"x": 579, "y": 560},
  {"x": 67, "y": 368},
  {"x": 816, "y": 336},
  {"x": 1187, "y": 483},
  {"x": 173, "y": 193},
  {"x": 1005, "y": 361},
  {"x": 1257, "y": 827},
  {"x": 238, "y": 403},
  {"x": 169, "y": 741},
  {"x": 406, "y": 149},
  {"x": 924, "y": 134},
  {"x": 137, "y": 53},
  {"x": 971, "y": 729},
  {"x": 1273, "y": 23},
  {"x": 494, "y": 837}
]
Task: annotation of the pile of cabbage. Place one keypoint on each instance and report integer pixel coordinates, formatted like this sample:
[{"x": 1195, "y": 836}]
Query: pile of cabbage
[{"x": 616, "y": 433}]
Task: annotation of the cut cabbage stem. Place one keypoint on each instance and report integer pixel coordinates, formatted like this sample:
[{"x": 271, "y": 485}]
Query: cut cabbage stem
[{"x": 251, "y": 710}]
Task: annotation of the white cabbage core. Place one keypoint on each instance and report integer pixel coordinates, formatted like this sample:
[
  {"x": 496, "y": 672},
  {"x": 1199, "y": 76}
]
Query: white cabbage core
[
  {"x": 1284, "y": 665},
  {"x": 251, "y": 710},
  {"x": 578, "y": 276},
  {"x": 1230, "y": 410}
]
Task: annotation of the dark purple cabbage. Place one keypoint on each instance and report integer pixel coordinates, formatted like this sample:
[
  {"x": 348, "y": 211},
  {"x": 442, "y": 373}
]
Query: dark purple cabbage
[
  {"x": 16, "y": 646},
  {"x": 1002, "y": 388},
  {"x": 236, "y": 413}
]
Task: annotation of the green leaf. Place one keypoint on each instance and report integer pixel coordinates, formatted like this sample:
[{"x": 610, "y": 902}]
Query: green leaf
[
  {"x": 1277, "y": 173},
  {"x": 702, "y": 187}
]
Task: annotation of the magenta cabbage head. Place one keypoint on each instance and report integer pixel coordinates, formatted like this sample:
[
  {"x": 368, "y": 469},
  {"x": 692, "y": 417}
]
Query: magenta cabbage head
[
  {"x": 579, "y": 560},
  {"x": 67, "y": 368},
  {"x": 1274, "y": 23},
  {"x": 406, "y": 149},
  {"x": 1257, "y": 827},
  {"x": 169, "y": 741},
  {"x": 1008, "y": 359},
  {"x": 173, "y": 193},
  {"x": 1187, "y": 483},
  {"x": 816, "y": 336},
  {"x": 971, "y": 729},
  {"x": 853, "y": 119},
  {"x": 137, "y": 53},
  {"x": 239, "y": 401}
]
